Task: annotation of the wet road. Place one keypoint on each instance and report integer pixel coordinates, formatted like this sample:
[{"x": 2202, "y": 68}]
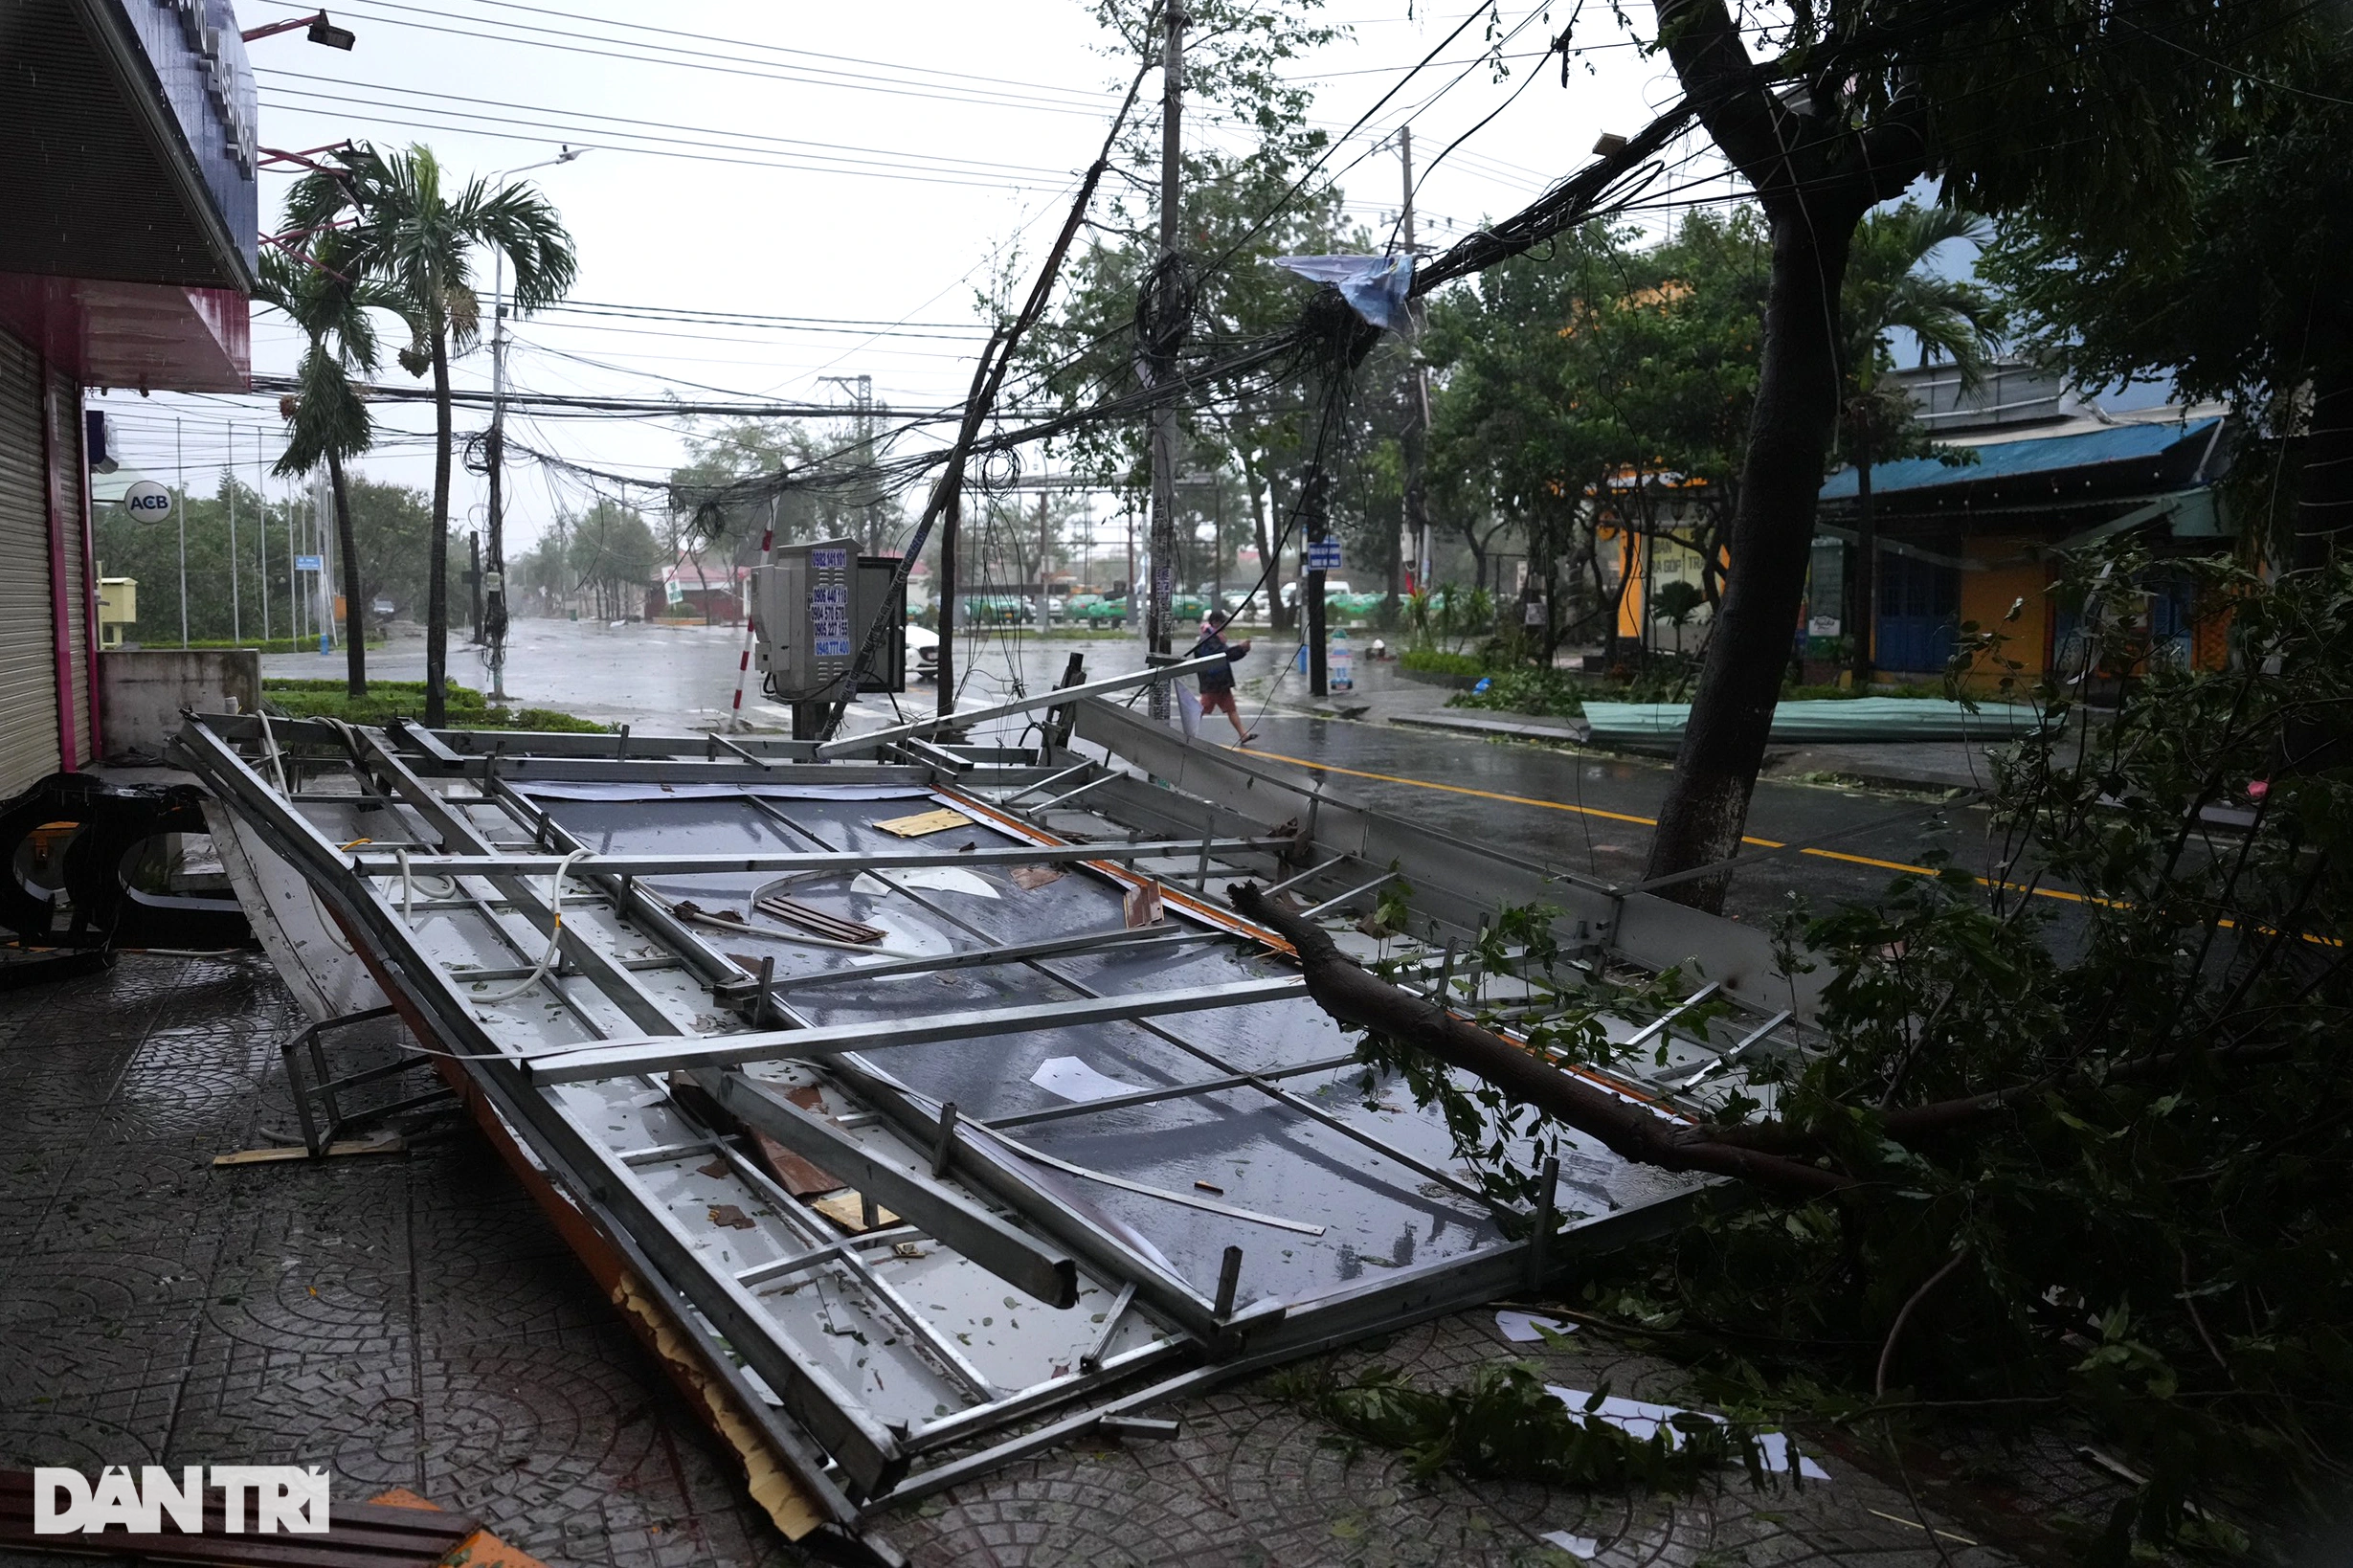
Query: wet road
[
  {"x": 1593, "y": 813},
  {"x": 1585, "y": 811},
  {"x": 657, "y": 677}
]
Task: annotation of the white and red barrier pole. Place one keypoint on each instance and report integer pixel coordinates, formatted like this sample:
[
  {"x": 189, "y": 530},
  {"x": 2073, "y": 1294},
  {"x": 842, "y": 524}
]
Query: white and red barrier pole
[{"x": 743, "y": 662}]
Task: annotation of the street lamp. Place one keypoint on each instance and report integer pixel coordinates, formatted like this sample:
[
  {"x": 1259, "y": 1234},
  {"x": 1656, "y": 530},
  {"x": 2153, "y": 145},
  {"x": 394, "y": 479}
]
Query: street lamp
[
  {"x": 322, "y": 31},
  {"x": 494, "y": 569}
]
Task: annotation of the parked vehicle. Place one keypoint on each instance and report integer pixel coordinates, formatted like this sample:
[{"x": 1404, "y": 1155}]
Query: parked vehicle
[
  {"x": 922, "y": 652},
  {"x": 997, "y": 610}
]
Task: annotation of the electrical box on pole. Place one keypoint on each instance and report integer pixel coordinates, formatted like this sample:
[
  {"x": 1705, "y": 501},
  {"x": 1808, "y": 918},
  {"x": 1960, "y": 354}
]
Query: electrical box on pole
[{"x": 812, "y": 607}]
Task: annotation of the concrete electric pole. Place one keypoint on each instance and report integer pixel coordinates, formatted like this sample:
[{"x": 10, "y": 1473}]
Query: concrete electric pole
[
  {"x": 491, "y": 583},
  {"x": 862, "y": 386},
  {"x": 1167, "y": 334},
  {"x": 1414, "y": 439}
]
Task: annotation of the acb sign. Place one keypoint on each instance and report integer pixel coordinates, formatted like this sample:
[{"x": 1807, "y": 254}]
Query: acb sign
[{"x": 147, "y": 501}]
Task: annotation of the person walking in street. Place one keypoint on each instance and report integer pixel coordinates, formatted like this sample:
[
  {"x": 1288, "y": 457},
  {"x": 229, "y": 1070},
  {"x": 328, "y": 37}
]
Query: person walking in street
[{"x": 1217, "y": 680}]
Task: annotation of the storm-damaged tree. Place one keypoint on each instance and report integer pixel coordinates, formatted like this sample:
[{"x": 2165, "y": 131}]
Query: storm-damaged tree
[
  {"x": 2066, "y": 1140},
  {"x": 402, "y": 226},
  {"x": 328, "y": 298},
  {"x": 2080, "y": 106},
  {"x": 2243, "y": 301}
]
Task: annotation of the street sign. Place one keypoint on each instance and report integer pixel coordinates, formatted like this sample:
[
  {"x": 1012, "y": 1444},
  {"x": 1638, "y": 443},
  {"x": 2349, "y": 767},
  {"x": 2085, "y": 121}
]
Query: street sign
[
  {"x": 147, "y": 501},
  {"x": 308, "y": 563},
  {"x": 1323, "y": 555}
]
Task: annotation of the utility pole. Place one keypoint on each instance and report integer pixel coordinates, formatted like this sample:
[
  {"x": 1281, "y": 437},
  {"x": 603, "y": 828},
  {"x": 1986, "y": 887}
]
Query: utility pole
[
  {"x": 237, "y": 606},
  {"x": 1414, "y": 439},
  {"x": 293, "y": 578},
  {"x": 490, "y": 578},
  {"x": 1167, "y": 334},
  {"x": 1311, "y": 509},
  {"x": 1216, "y": 542},
  {"x": 493, "y": 583},
  {"x": 1045, "y": 569},
  {"x": 862, "y": 386},
  {"x": 262, "y": 533},
  {"x": 952, "y": 520},
  {"x": 179, "y": 464}
]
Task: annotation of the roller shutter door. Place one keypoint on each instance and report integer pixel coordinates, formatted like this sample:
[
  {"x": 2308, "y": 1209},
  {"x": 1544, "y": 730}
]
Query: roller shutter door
[
  {"x": 72, "y": 474},
  {"x": 28, "y": 644}
]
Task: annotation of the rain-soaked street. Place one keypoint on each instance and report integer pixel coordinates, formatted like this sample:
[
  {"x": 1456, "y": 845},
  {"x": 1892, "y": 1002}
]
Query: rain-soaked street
[{"x": 1584, "y": 810}]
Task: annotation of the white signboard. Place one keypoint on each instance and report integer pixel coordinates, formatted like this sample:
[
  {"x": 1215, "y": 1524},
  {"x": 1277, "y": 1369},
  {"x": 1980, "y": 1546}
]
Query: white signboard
[
  {"x": 829, "y": 604},
  {"x": 147, "y": 501}
]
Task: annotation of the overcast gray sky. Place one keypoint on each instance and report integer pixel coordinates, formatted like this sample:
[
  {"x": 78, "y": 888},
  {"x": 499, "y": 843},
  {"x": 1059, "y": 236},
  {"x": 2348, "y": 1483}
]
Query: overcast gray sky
[{"x": 856, "y": 166}]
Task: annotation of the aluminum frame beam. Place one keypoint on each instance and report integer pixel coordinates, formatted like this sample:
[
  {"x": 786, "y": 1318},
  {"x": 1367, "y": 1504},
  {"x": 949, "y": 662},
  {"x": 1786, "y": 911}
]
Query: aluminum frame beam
[
  {"x": 659, "y": 1052},
  {"x": 1057, "y": 696},
  {"x": 493, "y": 862},
  {"x": 981, "y": 958},
  {"x": 1017, "y": 1258},
  {"x": 1448, "y": 873}
]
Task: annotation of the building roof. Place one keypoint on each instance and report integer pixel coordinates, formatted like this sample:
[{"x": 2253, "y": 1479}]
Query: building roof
[{"x": 2138, "y": 444}]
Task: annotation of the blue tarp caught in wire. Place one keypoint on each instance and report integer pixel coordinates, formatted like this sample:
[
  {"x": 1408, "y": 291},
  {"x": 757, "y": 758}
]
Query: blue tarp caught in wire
[{"x": 1374, "y": 286}]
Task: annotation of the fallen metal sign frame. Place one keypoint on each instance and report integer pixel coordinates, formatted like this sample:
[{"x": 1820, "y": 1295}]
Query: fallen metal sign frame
[{"x": 609, "y": 987}]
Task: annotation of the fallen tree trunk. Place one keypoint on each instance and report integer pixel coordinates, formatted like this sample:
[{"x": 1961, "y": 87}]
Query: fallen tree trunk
[{"x": 1627, "y": 1128}]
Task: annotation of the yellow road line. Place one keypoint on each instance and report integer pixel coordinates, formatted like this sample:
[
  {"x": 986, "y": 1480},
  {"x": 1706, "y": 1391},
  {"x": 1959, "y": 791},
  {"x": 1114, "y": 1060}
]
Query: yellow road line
[
  {"x": 1644, "y": 821},
  {"x": 1452, "y": 789}
]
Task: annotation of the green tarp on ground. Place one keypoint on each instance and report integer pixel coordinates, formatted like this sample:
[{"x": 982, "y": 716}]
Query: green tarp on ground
[{"x": 1838, "y": 719}]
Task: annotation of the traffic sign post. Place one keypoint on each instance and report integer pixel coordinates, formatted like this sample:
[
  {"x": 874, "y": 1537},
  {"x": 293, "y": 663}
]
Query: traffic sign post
[{"x": 326, "y": 613}]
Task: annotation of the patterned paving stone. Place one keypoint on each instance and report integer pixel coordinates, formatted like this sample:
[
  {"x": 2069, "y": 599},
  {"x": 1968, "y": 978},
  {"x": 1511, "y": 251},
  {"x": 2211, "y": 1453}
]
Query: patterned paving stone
[{"x": 414, "y": 1321}]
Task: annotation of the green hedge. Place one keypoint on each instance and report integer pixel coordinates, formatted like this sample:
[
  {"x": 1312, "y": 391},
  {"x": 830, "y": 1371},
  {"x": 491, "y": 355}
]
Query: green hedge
[
  {"x": 388, "y": 700},
  {"x": 1553, "y": 692},
  {"x": 1434, "y": 661},
  {"x": 274, "y": 645}
]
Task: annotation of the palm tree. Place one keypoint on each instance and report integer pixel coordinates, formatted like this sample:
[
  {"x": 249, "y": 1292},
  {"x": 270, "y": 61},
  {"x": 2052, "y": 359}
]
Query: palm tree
[
  {"x": 1953, "y": 319},
  {"x": 327, "y": 421},
  {"x": 408, "y": 232}
]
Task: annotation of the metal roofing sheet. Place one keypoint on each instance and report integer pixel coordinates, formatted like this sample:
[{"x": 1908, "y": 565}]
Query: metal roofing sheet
[
  {"x": 1840, "y": 718},
  {"x": 2011, "y": 459}
]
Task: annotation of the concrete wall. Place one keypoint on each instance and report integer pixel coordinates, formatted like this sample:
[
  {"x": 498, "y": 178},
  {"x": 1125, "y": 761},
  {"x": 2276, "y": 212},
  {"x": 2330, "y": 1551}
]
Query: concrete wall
[
  {"x": 1986, "y": 597},
  {"x": 141, "y": 691}
]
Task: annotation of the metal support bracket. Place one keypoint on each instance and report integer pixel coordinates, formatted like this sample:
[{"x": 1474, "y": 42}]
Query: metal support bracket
[{"x": 326, "y": 1124}]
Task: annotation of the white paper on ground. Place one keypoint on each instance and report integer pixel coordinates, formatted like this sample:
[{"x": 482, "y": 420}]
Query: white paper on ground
[
  {"x": 1639, "y": 1420},
  {"x": 1575, "y": 1546},
  {"x": 936, "y": 879},
  {"x": 1522, "y": 1327},
  {"x": 1074, "y": 1080}
]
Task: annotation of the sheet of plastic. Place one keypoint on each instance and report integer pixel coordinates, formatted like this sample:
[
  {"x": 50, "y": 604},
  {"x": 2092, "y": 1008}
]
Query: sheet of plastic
[{"x": 1376, "y": 286}]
